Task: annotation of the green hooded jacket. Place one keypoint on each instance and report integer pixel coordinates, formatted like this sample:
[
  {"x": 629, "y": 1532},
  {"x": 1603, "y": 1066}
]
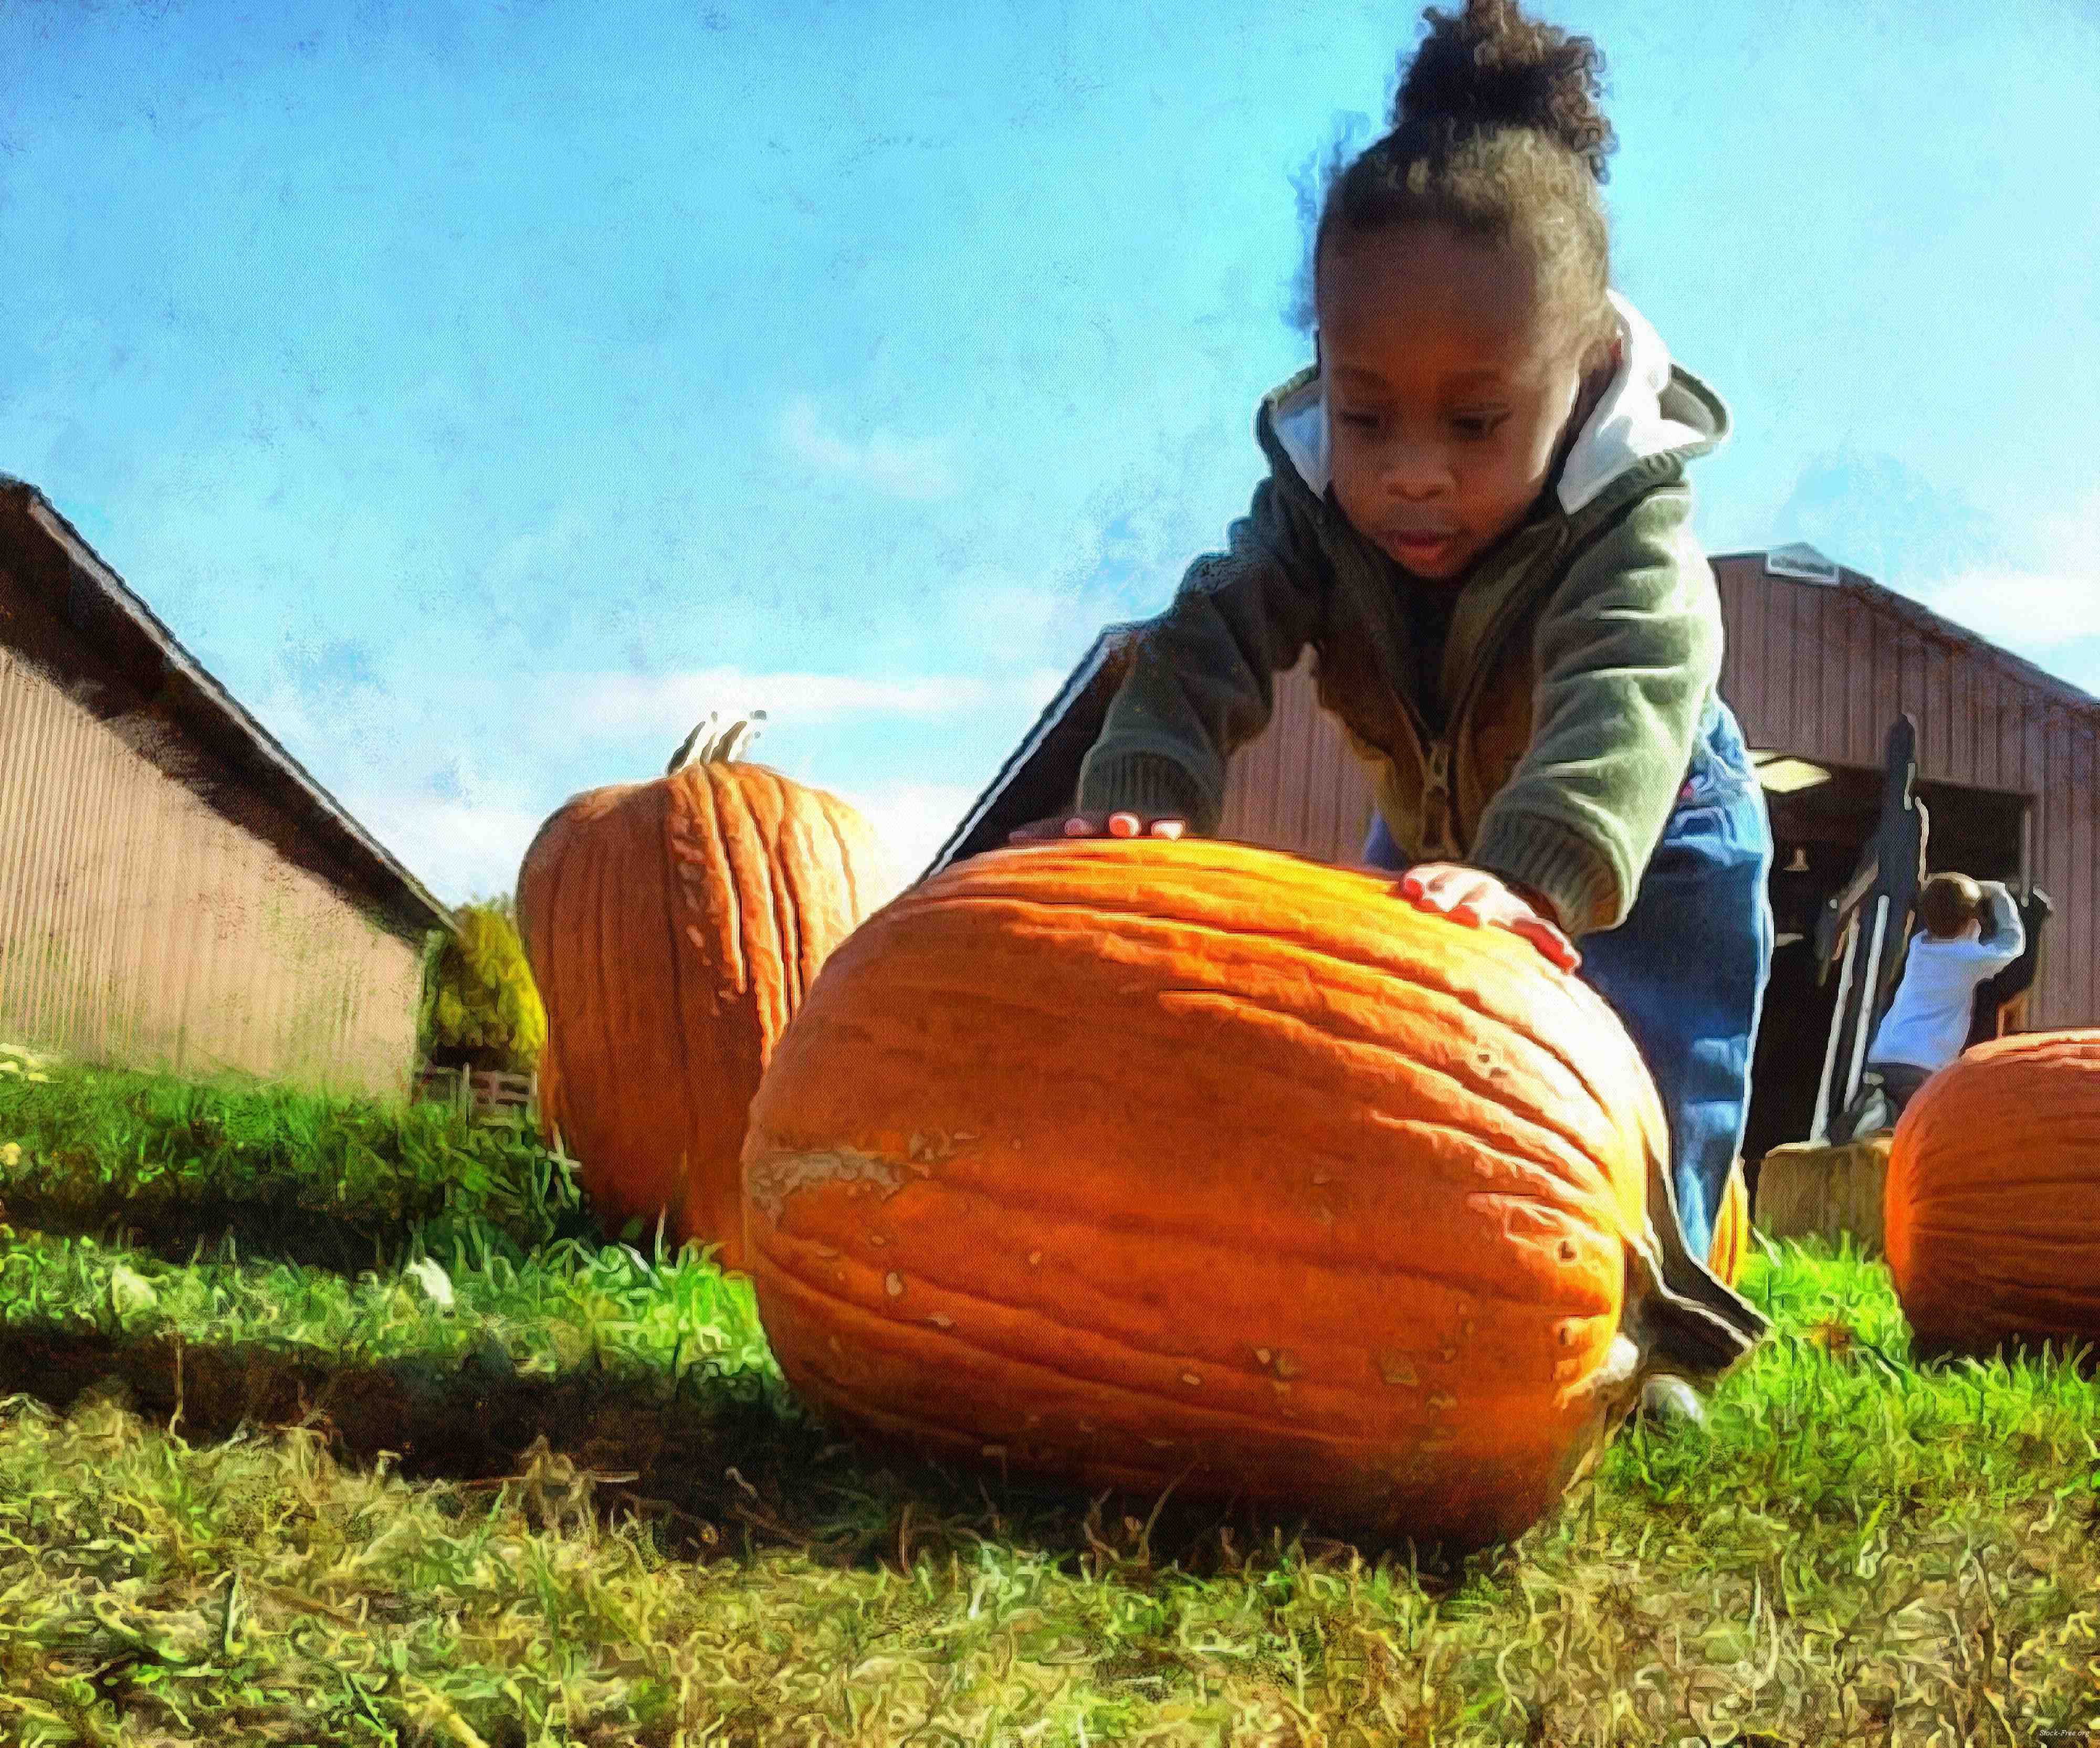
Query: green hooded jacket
[{"x": 1583, "y": 649}]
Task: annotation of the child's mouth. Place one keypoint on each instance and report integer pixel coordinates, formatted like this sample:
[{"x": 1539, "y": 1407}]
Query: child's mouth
[{"x": 1420, "y": 549}]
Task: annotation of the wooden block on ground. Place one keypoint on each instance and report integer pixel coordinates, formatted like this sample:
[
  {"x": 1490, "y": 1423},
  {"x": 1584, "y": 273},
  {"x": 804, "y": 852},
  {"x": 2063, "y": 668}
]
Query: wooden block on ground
[{"x": 1807, "y": 1188}]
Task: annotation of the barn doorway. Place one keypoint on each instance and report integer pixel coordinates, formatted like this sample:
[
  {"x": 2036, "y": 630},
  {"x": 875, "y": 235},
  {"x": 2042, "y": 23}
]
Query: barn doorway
[{"x": 1820, "y": 829}]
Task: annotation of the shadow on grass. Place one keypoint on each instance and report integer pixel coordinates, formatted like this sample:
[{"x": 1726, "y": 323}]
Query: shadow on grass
[
  {"x": 717, "y": 1468},
  {"x": 177, "y": 1231}
]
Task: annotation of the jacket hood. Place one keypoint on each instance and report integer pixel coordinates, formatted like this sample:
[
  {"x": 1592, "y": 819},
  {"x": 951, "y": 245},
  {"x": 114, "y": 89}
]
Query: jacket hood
[{"x": 1654, "y": 406}]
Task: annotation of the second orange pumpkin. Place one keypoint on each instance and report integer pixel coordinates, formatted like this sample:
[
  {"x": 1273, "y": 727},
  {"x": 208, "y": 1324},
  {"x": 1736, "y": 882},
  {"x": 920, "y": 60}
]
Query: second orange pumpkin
[{"x": 672, "y": 927}]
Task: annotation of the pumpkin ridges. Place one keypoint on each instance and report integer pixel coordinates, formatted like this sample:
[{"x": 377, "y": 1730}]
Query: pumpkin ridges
[
  {"x": 1981, "y": 1260},
  {"x": 1245, "y": 1199},
  {"x": 697, "y": 837},
  {"x": 693, "y": 1000},
  {"x": 624, "y": 1163},
  {"x": 1086, "y": 1249},
  {"x": 767, "y": 934},
  {"x": 605, "y": 880},
  {"x": 841, "y": 858},
  {"x": 784, "y": 869},
  {"x": 1496, "y": 1506},
  {"x": 1453, "y": 1167},
  {"x": 966, "y": 917},
  {"x": 787, "y": 869},
  {"x": 1495, "y": 1500},
  {"x": 745, "y": 840},
  {"x": 1149, "y": 1040},
  {"x": 1344, "y": 1403},
  {"x": 857, "y": 850},
  {"x": 527, "y": 883},
  {"x": 844, "y": 854},
  {"x": 1038, "y": 989},
  {"x": 1351, "y": 909},
  {"x": 743, "y": 1010}
]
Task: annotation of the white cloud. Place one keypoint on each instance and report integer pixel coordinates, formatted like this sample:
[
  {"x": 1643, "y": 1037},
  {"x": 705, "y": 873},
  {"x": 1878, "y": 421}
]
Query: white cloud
[
  {"x": 669, "y": 704},
  {"x": 2030, "y": 609},
  {"x": 465, "y": 849},
  {"x": 902, "y": 468},
  {"x": 1002, "y": 614},
  {"x": 2041, "y": 606},
  {"x": 913, "y": 819},
  {"x": 460, "y": 849}
]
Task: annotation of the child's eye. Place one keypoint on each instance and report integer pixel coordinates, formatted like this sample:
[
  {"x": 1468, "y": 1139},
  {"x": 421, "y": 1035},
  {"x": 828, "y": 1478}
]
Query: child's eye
[
  {"x": 1360, "y": 422},
  {"x": 1477, "y": 424}
]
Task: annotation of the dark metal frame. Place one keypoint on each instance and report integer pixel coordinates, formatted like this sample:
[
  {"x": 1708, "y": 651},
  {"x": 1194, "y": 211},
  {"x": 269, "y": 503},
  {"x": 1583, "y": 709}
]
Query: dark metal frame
[{"x": 1866, "y": 923}]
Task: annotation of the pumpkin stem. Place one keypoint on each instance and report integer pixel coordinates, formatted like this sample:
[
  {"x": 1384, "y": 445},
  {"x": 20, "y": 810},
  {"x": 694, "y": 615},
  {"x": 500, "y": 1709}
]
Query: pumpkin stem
[
  {"x": 718, "y": 750},
  {"x": 685, "y": 746},
  {"x": 737, "y": 736}
]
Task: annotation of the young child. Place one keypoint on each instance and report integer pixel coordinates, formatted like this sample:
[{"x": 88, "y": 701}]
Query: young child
[
  {"x": 1927, "y": 1024},
  {"x": 1476, "y": 514}
]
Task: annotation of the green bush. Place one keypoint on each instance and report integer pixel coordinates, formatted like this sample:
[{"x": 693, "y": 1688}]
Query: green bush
[{"x": 481, "y": 1009}]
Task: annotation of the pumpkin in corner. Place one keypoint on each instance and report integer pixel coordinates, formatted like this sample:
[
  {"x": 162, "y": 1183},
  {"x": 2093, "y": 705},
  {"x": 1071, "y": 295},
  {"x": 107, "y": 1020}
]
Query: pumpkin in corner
[{"x": 1991, "y": 1209}]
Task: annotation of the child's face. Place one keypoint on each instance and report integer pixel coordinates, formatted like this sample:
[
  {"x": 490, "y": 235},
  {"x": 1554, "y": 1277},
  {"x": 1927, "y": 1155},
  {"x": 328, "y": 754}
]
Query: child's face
[{"x": 1446, "y": 391}]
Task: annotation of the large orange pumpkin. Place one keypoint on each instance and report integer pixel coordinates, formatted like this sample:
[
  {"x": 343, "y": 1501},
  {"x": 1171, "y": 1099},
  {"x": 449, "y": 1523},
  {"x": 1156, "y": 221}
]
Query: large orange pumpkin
[
  {"x": 1990, "y": 1211},
  {"x": 1140, "y": 1162},
  {"x": 672, "y": 927},
  {"x": 1731, "y": 1229}
]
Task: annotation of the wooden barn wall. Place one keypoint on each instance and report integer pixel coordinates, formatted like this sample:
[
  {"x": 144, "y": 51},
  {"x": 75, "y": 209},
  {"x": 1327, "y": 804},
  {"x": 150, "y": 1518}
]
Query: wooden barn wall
[
  {"x": 139, "y": 926},
  {"x": 1815, "y": 670},
  {"x": 1296, "y": 785}
]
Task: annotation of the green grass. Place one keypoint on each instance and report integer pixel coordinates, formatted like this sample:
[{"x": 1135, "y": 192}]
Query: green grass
[
  {"x": 475, "y": 1495},
  {"x": 1854, "y": 1550},
  {"x": 333, "y": 1181},
  {"x": 571, "y": 1306}
]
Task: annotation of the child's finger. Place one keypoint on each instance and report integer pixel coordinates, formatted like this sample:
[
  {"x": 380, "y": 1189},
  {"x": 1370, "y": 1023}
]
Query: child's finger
[
  {"x": 1470, "y": 897},
  {"x": 1550, "y": 941},
  {"x": 1436, "y": 882},
  {"x": 1168, "y": 828},
  {"x": 1122, "y": 824},
  {"x": 1078, "y": 825}
]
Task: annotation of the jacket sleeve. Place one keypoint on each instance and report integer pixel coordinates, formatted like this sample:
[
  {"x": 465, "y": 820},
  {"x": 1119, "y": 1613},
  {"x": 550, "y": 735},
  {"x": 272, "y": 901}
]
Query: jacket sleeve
[
  {"x": 1627, "y": 651},
  {"x": 2008, "y": 939},
  {"x": 1201, "y": 682}
]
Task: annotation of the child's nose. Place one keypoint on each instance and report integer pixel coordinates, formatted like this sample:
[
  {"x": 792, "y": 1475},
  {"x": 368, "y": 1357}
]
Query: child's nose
[
  {"x": 1414, "y": 467},
  {"x": 1417, "y": 469}
]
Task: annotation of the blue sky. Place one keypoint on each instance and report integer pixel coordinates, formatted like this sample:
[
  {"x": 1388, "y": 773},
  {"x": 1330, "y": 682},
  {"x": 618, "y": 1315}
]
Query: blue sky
[{"x": 484, "y": 393}]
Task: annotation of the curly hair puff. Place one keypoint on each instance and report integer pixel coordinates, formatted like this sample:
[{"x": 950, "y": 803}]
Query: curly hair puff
[{"x": 1496, "y": 133}]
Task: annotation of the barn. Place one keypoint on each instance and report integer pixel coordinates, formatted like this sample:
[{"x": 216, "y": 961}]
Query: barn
[
  {"x": 1821, "y": 662},
  {"x": 176, "y": 891}
]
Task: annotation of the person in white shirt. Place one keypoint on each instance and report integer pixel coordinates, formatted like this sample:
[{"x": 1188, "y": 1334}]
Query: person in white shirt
[{"x": 1927, "y": 1023}]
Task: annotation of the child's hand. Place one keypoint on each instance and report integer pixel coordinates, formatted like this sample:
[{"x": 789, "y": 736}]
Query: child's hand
[
  {"x": 1475, "y": 896},
  {"x": 1098, "y": 825}
]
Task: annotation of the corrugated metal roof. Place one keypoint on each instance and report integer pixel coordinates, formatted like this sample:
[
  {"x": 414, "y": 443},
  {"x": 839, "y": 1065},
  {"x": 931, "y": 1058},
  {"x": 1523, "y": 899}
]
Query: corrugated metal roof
[{"x": 83, "y": 590}]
